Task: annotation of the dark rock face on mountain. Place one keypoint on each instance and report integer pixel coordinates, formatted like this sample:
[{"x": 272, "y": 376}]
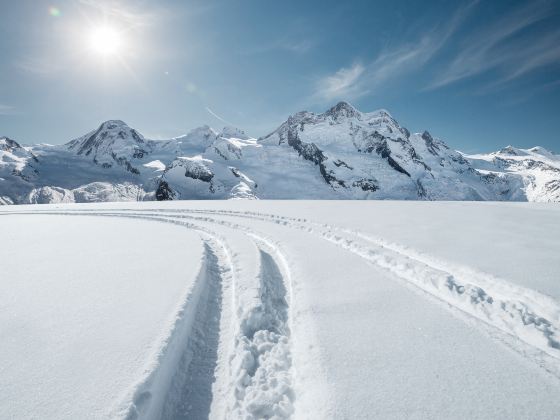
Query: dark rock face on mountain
[
  {"x": 340, "y": 154},
  {"x": 529, "y": 174},
  {"x": 164, "y": 192},
  {"x": 112, "y": 143},
  {"x": 8, "y": 145},
  {"x": 18, "y": 170},
  {"x": 369, "y": 155}
]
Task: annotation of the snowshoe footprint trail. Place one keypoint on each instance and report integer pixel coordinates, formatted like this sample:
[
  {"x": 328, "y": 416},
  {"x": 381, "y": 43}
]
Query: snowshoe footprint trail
[{"x": 262, "y": 362}]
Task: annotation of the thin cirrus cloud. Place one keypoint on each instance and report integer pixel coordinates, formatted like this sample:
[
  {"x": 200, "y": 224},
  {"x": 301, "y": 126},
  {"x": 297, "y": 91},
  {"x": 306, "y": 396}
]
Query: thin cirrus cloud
[
  {"x": 508, "y": 45},
  {"x": 359, "y": 80},
  {"x": 345, "y": 83},
  {"x": 533, "y": 56},
  {"x": 504, "y": 46}
]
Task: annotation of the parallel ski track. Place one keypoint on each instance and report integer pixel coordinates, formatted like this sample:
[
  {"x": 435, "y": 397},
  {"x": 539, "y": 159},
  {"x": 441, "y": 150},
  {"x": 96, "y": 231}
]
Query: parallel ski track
[
  {"x": 529, "y": 317},
  {"x": 191, "y": 350}
]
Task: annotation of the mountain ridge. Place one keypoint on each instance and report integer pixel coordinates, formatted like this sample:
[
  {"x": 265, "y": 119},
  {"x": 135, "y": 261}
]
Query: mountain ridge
[{"x": 342, "y": 153}]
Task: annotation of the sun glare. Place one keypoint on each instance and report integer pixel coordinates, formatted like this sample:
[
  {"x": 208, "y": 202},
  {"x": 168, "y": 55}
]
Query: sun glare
[{"x": 105, "y": 40}]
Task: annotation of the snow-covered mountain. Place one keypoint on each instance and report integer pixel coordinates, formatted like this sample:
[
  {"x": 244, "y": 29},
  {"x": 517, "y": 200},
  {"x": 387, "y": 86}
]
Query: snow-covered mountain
[
  {"x": 340, "y": 154},
  {"x": 17, "y": 170},
  {"x": 369, "y": 155},
  {"x": 533, "y": 174}
]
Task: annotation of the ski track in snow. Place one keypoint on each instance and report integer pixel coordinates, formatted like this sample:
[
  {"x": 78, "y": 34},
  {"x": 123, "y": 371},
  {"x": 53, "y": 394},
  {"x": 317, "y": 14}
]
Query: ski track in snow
[
  {"x": 190, "y": 395},
  {"x": 524, "y": 314},
  {"x": 187, "y": 343},
  {"x": 260, "y": 361},
  {"x": 180, "y": 384}
]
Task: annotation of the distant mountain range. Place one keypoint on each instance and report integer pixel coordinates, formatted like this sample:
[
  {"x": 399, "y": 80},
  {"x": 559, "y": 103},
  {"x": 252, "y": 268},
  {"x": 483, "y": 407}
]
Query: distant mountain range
[{"x": 340, "y": 154}]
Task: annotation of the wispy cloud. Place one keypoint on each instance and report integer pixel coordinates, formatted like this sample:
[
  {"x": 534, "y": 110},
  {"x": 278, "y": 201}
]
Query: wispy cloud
[
  {"x": 501, "y": 46},
  {"x": 359, "y": 80},
  {"x": 532, "y": 56},
  {"x": 507, "y": 45},
  {"x": 345, "y": 83}
]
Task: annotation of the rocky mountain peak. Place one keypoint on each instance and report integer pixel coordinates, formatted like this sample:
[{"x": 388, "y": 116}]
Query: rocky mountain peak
[
  {"x": 427, "y": 136},
  {"x": 118, "y": 129},
  {"x": 541, "y": 151},
  {"x": 343, "y": 109},
  {"x": 113, "y": 143},
  {"x": 200, "y": 137},
  {"x": 229, "y": 132},
  {"x": 113, "y": 124},
  {"x": 112, "y": 133},
  {"x": 202, "y": 130},
  {"x": 7, "y": 144},
  {"x": 510, "y": 150}
]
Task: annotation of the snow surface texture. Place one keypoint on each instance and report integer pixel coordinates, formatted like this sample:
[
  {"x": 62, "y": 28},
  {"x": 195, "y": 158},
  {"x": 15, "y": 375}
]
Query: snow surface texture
[
  {"x": 340, "y": 154},
  {"x": 284, "y": 310}
]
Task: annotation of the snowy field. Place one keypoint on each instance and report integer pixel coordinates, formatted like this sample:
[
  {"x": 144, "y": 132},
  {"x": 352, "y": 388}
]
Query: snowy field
[{"x": 277, "y": 309}]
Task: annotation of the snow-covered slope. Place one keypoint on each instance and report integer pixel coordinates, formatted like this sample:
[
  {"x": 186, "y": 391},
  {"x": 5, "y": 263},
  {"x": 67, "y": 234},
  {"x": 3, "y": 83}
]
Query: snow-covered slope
[
  {"x": 340, "y": 154},
  {"x": 280, "y": 310},
  {"x": 369, "y": 155},
  {"x": 534, "y": 174},
  {"x": 17, "y": 170},
  {"x": 87, "y": 320}
]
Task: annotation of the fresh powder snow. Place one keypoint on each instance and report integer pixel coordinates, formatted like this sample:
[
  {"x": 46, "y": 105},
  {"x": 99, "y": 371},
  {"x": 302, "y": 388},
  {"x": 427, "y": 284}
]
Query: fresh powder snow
[{"x": 280, "y": 310}]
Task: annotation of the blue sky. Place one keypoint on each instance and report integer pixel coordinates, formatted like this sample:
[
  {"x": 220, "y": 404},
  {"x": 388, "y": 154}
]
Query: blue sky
[{"x": 479, "y": 74}]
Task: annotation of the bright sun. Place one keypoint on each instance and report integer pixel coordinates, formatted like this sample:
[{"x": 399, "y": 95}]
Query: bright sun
[{"x": 105, "y": 40}]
